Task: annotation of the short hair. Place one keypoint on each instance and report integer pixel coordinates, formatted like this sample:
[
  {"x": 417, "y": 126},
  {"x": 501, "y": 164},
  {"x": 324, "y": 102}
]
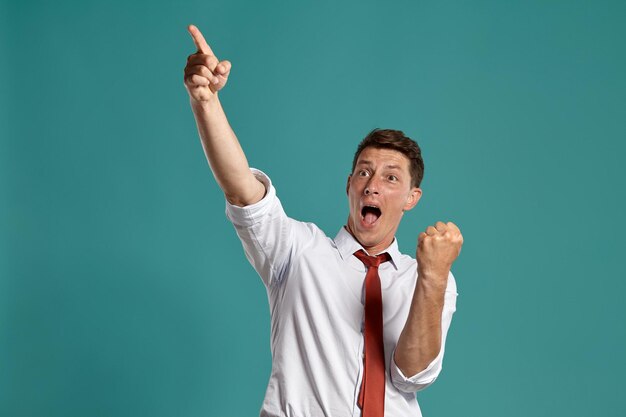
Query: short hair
[{"x": 397, "y": 141}]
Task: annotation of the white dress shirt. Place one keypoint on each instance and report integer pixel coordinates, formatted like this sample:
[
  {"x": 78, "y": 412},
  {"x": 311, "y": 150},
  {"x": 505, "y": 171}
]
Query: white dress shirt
[{"x": 315, "y": 288}]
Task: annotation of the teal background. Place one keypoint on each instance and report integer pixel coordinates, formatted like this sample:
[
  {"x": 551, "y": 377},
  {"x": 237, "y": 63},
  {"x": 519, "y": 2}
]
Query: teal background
[{"x": 123, "y": 288}]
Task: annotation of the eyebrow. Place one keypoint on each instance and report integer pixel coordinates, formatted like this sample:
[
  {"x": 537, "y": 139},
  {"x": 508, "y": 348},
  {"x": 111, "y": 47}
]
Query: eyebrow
[
  {"x": 366, "y": 162},
  {"x": 394, "y": 167}
]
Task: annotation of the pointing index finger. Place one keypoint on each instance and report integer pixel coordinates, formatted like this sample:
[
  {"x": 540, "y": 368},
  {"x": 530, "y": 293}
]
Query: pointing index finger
[{"x": 199, "y": 40}]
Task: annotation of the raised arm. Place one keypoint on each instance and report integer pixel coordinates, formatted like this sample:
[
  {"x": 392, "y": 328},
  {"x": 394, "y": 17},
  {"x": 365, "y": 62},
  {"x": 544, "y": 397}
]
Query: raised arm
[
  {"x": 420, "y": 340},
  {"x": 205, "y": 75}
]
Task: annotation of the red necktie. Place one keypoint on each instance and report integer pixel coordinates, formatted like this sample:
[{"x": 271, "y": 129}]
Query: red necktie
[{"x": 372, "y": 395}]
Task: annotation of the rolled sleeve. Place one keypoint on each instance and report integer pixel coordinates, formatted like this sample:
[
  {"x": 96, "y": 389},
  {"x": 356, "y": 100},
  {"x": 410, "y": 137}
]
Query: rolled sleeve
[
  {"x": 418, "y": 381},
  {"x": 249, "y": 215},
  {"x": 428, "y": 375}
]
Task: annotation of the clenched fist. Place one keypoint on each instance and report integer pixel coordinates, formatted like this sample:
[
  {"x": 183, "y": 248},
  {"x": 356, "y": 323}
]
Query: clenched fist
[
  {"x": 437, "y": 249},
  {"x": 205, "y": 75}
]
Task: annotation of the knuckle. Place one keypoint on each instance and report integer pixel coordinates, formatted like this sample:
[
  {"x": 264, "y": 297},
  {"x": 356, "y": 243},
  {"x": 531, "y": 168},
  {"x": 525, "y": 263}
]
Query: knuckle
[{"x": 199, "y": 70}]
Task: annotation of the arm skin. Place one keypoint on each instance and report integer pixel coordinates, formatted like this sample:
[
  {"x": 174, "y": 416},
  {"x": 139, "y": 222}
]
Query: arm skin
[
  {"x": 224, "y": 154},
  {"x": 420, "y": 340},
  {"x": 204, "y": 77}
]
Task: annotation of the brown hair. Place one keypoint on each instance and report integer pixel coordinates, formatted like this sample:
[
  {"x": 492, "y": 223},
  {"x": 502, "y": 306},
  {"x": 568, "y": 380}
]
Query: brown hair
[{"x": 395, "y": 139}]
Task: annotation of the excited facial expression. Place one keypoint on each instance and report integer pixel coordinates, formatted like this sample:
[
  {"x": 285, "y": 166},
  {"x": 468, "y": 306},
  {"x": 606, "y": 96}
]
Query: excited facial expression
[{"x": 379, "y": 191}]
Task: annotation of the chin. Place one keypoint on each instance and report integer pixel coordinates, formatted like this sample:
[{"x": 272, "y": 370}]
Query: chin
[{"x": 367, "y": 237}]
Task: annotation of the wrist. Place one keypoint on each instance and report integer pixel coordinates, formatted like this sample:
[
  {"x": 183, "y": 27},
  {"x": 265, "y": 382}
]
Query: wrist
[
  {"x": 205, "y": 105},
  {"x": 432, "y": 276}
]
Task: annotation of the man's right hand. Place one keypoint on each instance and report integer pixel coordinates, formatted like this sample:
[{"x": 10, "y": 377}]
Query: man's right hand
[{"x": 205, "y": 75}]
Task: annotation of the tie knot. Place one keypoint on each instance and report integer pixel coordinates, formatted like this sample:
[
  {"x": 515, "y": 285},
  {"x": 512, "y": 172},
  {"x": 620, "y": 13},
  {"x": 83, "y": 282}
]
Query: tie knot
[{"x": 370, "y": 261}]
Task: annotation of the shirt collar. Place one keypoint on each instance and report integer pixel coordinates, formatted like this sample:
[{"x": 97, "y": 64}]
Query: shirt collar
[{"x": 347, "y": 245}]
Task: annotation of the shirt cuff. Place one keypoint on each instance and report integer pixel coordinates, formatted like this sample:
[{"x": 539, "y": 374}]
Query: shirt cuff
[
  {"x": 418, "y": 381},
  {"x": 248, "y": 215}
]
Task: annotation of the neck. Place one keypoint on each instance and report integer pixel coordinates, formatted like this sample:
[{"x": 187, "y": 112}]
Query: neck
[{"x": 371, "y": 249}]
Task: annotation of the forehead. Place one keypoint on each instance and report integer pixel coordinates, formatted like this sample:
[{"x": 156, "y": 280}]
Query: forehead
[{"x": 383, "y": 157}]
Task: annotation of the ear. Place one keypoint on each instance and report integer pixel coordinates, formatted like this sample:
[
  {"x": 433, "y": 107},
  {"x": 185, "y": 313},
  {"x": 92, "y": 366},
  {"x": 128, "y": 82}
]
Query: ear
[
  {"x": 348, "y": 185},
  {"x": 414, "y": 196}
]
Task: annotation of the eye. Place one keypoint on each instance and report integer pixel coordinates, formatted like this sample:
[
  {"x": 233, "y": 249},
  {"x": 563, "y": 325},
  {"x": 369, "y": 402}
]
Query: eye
[
  {"x": 392, "y": 178},
  {"x": 363, "y": 173}
]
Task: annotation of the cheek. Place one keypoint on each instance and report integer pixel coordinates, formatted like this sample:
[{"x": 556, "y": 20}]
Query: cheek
[
  {"x": 397, "y": 203},
  {"x": 352, "y": 201}
]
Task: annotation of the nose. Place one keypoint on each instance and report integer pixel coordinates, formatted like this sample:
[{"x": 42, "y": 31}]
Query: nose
[{"x": 371, "y": 187}]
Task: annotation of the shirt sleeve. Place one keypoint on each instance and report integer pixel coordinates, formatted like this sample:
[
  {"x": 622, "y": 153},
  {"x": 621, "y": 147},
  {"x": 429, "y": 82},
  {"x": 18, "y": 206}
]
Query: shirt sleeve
[
  {"x": 427, "y": 376},
  {"x": 266, "y": 233}
]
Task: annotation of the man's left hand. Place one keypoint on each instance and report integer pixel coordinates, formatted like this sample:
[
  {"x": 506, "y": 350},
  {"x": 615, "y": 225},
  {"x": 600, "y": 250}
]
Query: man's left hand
[{"x": 437, "y": 249}]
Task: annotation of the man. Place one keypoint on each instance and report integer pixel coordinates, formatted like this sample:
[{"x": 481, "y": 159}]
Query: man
[{"x": 356, "y": 327}]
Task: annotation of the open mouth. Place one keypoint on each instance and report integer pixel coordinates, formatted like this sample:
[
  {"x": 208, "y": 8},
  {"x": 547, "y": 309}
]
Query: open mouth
[{"x": 369, "y": 214}]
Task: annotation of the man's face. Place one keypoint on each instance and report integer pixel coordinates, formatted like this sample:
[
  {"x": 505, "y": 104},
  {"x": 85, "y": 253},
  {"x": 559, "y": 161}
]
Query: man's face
[{"x": 379, "y": 191}]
